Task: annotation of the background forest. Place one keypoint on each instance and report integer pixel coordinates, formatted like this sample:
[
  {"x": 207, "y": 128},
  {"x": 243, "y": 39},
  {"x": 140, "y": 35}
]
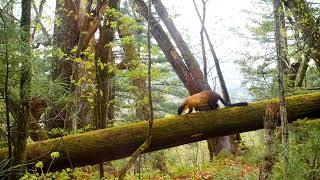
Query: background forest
[{"x": 72, "y": 67}]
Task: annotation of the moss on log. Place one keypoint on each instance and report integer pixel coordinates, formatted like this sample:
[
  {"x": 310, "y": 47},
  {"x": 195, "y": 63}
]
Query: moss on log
[{"x": 119, "y": 142}]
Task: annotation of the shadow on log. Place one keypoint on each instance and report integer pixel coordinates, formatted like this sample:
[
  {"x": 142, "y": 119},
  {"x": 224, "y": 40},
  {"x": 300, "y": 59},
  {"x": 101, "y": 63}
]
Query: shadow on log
[{"x": 119, "y": 142}]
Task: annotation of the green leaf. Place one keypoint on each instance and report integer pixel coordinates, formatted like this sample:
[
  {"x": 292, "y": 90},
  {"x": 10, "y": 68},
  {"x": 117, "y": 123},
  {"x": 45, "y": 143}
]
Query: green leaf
[
  {"x": 55, "y": 155},
  {"x": 39, "y": 164}
]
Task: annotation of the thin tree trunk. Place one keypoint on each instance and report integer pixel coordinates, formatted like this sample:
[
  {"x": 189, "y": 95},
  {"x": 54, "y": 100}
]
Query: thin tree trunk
[
  {"x": 226, "y": 142},
  {"x": 20, "y": 140},
  {"x": 285, "y": 61},
  {"x": 146, "y": 144},
  {"x": 280, "y": 58},
  {"x": 224, "y": 90},
  {"x": 103, "y": 60},
  {"x": 6, "y": 91},
  {"x": 204, "y": 57},
  {"x": 38, "y": 21},
  {"x": 271, "y": 119},
  {"x": 131, "y": 61}
]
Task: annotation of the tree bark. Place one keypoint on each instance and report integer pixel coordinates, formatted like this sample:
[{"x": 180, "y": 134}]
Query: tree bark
[
  {"x": 20, "y": 138},
  {"x": 66, "y": 36},
  {"x": 131, "y": 61},
  {"x": 119, "y": 142},
  {"x": 302, "y": 70},
  {"x": 271, "y": 119},
  {"x": 306, "y": 23},
  {"x": 281, "y": 54},
  {"x": 76, "y": 27},
  {"x": 103, "y": 62},
  {"x": 184, "y": 49},
  {"x": 203, "y": 46},
  {"x": 146, "y": 144},
  {"x": 169, "y": 50}
]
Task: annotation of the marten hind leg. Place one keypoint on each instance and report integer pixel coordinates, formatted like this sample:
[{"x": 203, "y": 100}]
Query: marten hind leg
[{"x": 213, "y": 105}]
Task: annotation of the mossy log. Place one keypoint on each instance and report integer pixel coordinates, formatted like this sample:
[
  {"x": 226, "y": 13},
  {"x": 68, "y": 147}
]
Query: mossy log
[{"x": 119, "y": 142}]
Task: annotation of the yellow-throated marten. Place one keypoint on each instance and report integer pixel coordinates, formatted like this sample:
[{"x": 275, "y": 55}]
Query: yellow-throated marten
[{"x": 205, "y": 98}]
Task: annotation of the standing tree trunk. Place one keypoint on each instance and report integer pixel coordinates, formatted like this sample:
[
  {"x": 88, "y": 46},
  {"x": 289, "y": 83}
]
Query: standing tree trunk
[
  {"x": 270, "y": 124},
  {"x": 215, "y": 145},
  {"x": 146, "y": 144},
  {"x": 285, "y": 61},
  {"x": 65, "y": 38},
  {"x": 6, "y": 90},
  {"x": 131, "y": 61},
  {"x": 20, "y": 140},
  {"x": 280, "y": 58},
  {"x": 203, "y": 47},
  {"x": 103, "y": 61},
  {"x": 74, "y": 28}
]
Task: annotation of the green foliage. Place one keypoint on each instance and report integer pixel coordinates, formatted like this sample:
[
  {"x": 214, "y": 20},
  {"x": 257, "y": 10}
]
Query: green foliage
[
  {"x": 259, "y": 65},
  {"x": 63, "y": 175},
  {"x": 303, "y": 151},
  {"x": 264, "y": 29}
]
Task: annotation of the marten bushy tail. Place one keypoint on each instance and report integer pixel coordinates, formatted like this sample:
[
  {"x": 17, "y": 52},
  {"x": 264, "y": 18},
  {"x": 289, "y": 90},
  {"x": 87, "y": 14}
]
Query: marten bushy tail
[
  {"x": 224, "y": 102},
  {"x": 239, "y": 104}
]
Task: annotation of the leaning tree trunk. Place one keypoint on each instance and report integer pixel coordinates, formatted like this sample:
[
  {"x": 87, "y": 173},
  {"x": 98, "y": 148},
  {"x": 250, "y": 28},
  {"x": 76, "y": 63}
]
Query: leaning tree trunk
[
  {"x": 119, "y": 142},
  {"x": 184, "y": 49},
  {"x": 20, "y": 137},
  {"x": 301, "y": 74},
  {"x": 169, "y": 50},
  {"x": 214, "y": 145}
]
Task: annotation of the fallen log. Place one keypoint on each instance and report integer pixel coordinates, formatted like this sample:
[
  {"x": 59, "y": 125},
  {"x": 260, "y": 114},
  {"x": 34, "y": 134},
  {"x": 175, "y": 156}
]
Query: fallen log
[{"x": 119, "y": 142}]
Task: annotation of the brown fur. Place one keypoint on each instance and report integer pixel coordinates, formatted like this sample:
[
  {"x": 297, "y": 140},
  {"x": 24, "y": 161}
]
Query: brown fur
[{"x": 205, "y": 98}]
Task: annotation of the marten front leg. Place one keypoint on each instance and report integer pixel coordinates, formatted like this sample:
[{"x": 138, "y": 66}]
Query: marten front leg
[{"x": 190, "y": 109}]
